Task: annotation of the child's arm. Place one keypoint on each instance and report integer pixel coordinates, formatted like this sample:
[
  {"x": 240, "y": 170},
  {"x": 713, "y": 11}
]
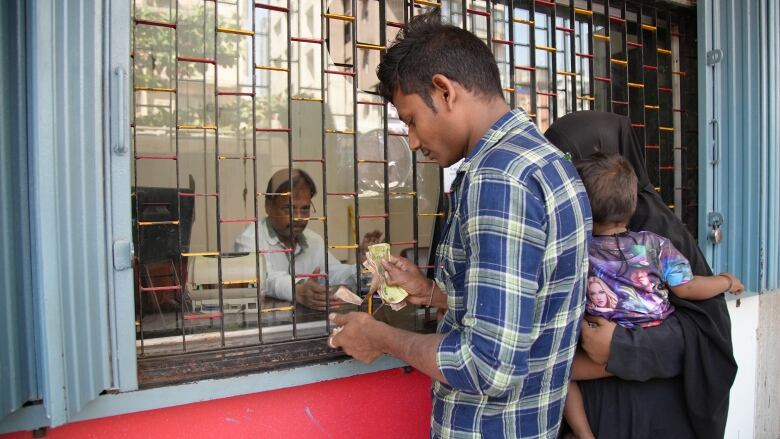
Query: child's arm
[
  {"x": 707, "y": 287},
  {"x": 584, "y": 368}
]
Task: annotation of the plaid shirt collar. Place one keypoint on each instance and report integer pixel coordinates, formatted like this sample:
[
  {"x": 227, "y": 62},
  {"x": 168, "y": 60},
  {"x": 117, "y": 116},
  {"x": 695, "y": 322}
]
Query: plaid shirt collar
[{"x": 503, "y": 126}]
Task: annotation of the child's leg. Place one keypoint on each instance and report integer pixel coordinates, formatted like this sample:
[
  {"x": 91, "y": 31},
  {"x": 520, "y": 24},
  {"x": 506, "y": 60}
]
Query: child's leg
[
  {"x": 574, "y": 412},
  {"x": 584, "y": 368}
]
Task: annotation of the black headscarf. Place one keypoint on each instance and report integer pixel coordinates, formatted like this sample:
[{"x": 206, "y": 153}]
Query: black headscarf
[{"x": 709, "y": 367}]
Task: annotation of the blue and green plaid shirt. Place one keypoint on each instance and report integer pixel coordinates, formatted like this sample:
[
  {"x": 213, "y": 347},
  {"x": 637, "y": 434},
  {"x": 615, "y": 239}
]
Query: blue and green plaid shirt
[{"x": 513, "y": 262}]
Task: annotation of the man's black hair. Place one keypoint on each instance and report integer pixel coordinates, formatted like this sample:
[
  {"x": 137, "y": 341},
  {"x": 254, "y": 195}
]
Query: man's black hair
[
  {"x": 279, "y": 183},
  {"x": 425, "y": 47}
]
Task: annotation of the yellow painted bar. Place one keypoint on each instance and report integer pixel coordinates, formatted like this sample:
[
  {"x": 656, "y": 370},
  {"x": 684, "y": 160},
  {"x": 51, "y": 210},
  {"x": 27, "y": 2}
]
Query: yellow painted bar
[
  {"x": 236, "y": 282},
  {"x": 583, "y": 11},
  {"x": 546, "y": 48},
  {"x": 157, "y": 89},
  {"x": 281, "y": 194},
  {"x": 230, "y": 30},
  {"x": 567, "y": 73},
  {"x": 667, "y": 129},
  {"x": 664, "y": 51},
  {"x": 619, "y": 61},
  {"x": 332, "y": 131},
  {"x": 523, "y": 21},
  {"x": 197, "y": 127},
  {"x": 652, "y": 107},
  {"x": 427, "y": 3},
  {"x": 649, "y": 27},
  {"x": 370, "y": 46},
  {"x": 586, "y": 98},
  {"x": 200, "y": 254},
  {"x": 300, "y": 98},
  {"x": 674, "y": 72},
  {"x": 600, "y": 37},
  {"x": 158, "y": 223},
  {"x": 311, "y": 218},
  {"x": 636, "y": 85},
  {"x": 349, "y": 246},
  {"x": 431, "y": 214},
  {"x": 281, "y": 308},
  {"x": 410, "y": 194},
  {"x": 278, "y": 69},
  {"x": 339, "y": 17},
  {"x": 509, "y": 89}
]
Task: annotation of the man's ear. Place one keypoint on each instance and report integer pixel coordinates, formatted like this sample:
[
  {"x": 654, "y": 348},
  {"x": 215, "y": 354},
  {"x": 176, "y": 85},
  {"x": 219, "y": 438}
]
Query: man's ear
[{"x": 444, "y": 90}]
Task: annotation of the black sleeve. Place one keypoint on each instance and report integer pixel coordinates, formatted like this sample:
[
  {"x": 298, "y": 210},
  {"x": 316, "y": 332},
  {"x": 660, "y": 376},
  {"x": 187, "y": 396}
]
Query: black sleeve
[{"x": 641, "y": 354}]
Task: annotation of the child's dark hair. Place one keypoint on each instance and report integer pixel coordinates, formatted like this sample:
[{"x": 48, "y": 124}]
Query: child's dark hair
[
  {"x": 611, "y": 184},
  {"x": 426, "y": 47}
]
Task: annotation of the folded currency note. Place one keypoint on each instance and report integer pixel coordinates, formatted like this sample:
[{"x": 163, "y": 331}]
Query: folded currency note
[{"x": 392, "y": 295}]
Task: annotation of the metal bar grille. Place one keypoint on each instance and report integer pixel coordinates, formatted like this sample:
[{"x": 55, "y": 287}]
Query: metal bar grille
[{"x": 227, "y": 92}]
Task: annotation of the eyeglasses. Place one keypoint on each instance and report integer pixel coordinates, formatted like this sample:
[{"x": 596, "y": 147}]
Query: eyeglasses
[{"x": 299, "y": 213}]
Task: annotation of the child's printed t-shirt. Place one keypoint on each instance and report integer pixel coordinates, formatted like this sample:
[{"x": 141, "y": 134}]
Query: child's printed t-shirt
[{"x": 629, "y": 275}]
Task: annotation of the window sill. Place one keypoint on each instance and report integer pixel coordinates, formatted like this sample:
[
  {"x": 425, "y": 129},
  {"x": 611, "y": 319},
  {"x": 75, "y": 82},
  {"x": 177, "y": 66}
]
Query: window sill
[{"x": 167, "y": 396}]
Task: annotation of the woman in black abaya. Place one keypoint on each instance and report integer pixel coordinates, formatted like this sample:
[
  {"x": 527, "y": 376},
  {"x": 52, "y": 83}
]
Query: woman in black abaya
[{"x": 671, "y": 381}]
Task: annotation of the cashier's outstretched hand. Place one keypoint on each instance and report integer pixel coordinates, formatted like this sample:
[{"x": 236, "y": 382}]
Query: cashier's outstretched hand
[
  {"x": 352, "y": 333},
  {"x": 313, "y": 294}
]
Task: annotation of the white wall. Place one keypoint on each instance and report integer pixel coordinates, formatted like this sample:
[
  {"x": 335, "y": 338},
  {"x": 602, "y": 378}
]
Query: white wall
[{"x": 742, "y": 407}]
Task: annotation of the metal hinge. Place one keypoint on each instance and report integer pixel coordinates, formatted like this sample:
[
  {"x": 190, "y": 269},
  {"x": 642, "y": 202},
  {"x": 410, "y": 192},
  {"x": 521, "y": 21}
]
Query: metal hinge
[{"x": 123, "y": 254}]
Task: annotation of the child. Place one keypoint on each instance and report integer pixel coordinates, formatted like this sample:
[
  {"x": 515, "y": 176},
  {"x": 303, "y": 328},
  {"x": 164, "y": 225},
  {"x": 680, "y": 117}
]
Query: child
[{"x": 630, "y": 273}]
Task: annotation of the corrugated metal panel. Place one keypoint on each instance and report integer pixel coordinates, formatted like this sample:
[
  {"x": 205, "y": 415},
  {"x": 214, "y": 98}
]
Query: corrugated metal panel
[
  {"x": 17, "y": 372},
  {"x": 739, "y": 160},
  {"x": 67, "y": 189},
  {"x": 771, "y": 211}
]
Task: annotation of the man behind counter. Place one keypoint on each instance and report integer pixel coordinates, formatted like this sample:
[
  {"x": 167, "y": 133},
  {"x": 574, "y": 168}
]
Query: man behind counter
[{"x": 278, "y": 231}]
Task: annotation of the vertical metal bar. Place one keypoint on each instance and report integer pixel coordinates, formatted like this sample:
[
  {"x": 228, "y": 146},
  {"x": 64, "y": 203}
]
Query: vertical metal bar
[
  {"x": 573, "y": 54},
  {"x": 552, "y": 74},
  {"x": 290, "y": 160},
  {"x": 355, "y": 158},
  {"x": 137, "y": 230},
  {"x": 679, "y": 162},
  {"x": 385, "y": 147},
  {"x": 532, "y": 43},
  {"x": 608, "y": 34},
  {"x": 217, "y": 175},
  {"x": 178, "y": 177},
  {"x": 641, "y": 48},
  {"x": 488, "y": 25},
  {"x": 258, "y": 255},
  {"x": 592, "y": 59},
  {"x": 323, "y": 151},
  {"x": 512, "y": 83}
]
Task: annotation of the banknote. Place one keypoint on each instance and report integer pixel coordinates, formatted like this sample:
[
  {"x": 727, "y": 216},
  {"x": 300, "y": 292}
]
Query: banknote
[{"x": 392, "y": 295}]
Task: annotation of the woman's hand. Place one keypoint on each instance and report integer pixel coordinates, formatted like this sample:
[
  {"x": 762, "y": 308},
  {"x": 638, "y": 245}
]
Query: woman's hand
[{"x": 596, "y": 338}]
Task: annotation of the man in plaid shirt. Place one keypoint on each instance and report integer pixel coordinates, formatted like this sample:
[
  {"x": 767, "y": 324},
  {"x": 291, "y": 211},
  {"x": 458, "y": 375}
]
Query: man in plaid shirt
[{"x": 512, "y": 262}]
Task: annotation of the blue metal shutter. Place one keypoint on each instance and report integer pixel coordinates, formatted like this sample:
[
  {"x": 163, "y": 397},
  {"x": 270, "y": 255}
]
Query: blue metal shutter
[
  {"x": 17, "y": 348},
  {"x": 67, "y": 180},
  {"x": 739, "y": 123}
]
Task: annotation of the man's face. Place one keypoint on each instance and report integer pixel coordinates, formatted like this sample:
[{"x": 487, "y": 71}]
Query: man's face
[
  {"x": 278, "y": 211},
  {"x": 433, "y": 133}
]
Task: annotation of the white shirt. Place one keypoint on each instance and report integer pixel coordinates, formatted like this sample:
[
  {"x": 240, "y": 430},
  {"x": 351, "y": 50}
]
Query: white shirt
[{"x": 309, "y": 254}]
